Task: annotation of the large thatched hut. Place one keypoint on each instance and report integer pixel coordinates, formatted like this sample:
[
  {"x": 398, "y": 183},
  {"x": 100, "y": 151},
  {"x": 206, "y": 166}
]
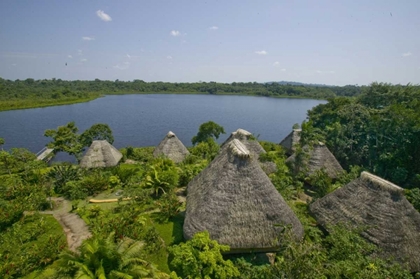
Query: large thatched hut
[
  {"x": 391, "y": 221},
  {"x": 101, "y": 154},
  {"x": 319, "y": 157},
  {"x": 290, "y": 141},
  {"x": 172, "y": 148},
  {"x": 252, "y": 144},
  {"x": 235, "y": 201}
]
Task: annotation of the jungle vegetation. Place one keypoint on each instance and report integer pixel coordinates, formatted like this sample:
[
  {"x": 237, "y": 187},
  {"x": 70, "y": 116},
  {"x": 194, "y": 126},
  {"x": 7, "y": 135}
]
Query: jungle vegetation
[{"x": 379, "y": 131}]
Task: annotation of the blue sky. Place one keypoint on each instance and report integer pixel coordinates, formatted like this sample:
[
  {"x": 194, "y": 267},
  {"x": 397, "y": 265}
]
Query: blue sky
[{"x": 323, "y": 41}]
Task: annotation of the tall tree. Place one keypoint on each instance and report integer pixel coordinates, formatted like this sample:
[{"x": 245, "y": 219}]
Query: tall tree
[
  {"x": 208, "y": 130},
  {"x": 65, "y": 139},
  {"x": 97, "y": 132}
]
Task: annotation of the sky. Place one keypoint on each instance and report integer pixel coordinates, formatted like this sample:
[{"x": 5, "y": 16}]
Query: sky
[{"x": 324, "y": 41}]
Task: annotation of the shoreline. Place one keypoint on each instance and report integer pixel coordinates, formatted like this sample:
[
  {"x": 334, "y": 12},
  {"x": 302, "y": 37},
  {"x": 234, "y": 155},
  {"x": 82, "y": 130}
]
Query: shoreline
[{"x": 85, "y": 100}]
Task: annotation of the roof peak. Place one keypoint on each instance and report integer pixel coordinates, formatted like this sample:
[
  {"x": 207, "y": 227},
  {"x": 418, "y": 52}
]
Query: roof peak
[
  {"x": 237, "y": 148},
  {"x": 381, "y": 183},
  {"x": 242, "y": 132}
]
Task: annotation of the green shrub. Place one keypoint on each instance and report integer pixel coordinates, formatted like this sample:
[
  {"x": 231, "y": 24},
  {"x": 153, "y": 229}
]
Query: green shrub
[
  {"x": 413, "y": 196},
  {"x": 201, "y": 257}
]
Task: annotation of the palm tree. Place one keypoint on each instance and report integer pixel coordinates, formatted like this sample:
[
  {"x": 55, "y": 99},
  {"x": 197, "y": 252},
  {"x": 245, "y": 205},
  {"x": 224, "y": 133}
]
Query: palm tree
[{"x": 102, "y": 259}]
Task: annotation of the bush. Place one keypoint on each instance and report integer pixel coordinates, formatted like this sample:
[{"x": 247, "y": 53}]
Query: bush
[
  {"x": 201, "y": 257},
  {"x": 189, "y": 170},
  {"x": 206, "y": 150},
  {"x": 413, "y": 196},
  {"x": 162, "y": 176}
]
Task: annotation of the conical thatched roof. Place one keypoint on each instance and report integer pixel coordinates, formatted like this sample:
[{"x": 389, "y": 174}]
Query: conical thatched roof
[
  {"x": 247, "y": 139},
  {"x": 252, "y": 145},
  {"x": 291, "y": 140},
  {"x": 369, "y": 201},
  {"x": 235, "y": 201},
  {"x": 101, "y": 154},
  {"x": 172, "y": 148},
  {"x": 320, "y": 157}
]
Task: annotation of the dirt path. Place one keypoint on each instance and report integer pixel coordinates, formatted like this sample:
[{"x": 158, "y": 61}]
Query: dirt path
[{"x": 74, "y": 227}]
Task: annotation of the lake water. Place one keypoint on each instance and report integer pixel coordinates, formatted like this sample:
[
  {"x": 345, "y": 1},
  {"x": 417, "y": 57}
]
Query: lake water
[{"x": 143, "y": 120}]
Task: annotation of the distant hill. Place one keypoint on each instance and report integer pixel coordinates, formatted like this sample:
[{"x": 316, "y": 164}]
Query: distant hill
[{"x": 299, "y": 83}]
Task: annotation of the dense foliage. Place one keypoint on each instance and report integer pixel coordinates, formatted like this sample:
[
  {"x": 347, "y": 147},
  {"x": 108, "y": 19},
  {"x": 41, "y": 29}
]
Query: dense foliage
[
  {"x": 141, "y": 236},
  {"x": 379, "y": 131}
]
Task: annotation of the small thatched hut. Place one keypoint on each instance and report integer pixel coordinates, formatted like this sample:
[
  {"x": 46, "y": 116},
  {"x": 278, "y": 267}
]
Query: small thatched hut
[
  {"x": 235, "y": 201},
  {"x": 172, "y": 148},
  {"x": 252, "y": 145},
  {"x": 101, "y": 154},
  {"x": 392, "y": 222},
  {"x": 290, "y": 141},
  {"x": 247, "y": 139},
  {"x": 320, "y": 157}
]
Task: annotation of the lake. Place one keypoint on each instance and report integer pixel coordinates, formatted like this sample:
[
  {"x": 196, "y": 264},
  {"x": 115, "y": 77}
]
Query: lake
[{"x": 144, "y": 120}]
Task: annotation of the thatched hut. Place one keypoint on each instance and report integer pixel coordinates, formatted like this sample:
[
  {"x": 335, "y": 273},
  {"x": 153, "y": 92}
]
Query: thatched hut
[
  {"x": 235, "y": 201},
  {"x": 172, "y": 148},
  {"x": 289, "y": 142},
  {"x": 391, "y": 221},
  {"x": 252, "y": 145},
  {"x": 247, "y": 139},
  {"x": 101, "y": 154},
  {"x": 319, "y": 157}
]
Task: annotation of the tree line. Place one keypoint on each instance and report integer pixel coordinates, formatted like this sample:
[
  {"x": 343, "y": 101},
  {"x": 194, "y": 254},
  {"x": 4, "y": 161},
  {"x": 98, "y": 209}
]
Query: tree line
[{"x": 36, "y": 93}]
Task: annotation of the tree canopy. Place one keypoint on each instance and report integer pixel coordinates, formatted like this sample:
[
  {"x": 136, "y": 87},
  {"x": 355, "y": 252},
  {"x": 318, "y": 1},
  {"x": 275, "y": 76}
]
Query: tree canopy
[{"x": 206, "y": 131}]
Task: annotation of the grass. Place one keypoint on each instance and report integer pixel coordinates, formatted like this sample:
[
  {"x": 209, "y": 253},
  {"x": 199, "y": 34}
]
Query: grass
[
  {"x": 171, "y": 232},
  {"x": 38, "y": 103}
]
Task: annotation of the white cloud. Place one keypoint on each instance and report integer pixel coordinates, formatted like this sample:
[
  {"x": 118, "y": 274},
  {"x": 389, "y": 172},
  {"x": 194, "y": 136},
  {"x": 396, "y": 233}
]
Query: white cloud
[
  {"x": 169, "y": 57},
  {"x": 214, "y": 28},
  {"x": 88, "y": 38},
  {"x": 406, "y": 54},
  {"x": 69, "y": 56},
  {"x": 283, "y": 70},
  {"x": 83, "y": 60},
  {"x": 128, "y": 55},
  {"x": 14, "y": 64},
  {"x": 175, "y": 33},
  {"x": 261, "y": 52},
  {"x": 325, "y": 72},
  {"x": 79, "y": 52},
  {"x": 102, "y": 15},
  {"x": 122, "y": 66},
  {"x": 276, "y": 64}
]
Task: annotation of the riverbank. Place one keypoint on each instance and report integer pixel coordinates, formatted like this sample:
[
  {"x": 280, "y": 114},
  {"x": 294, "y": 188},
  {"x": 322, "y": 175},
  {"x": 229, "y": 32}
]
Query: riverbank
[{"x": 6, "y": 105}]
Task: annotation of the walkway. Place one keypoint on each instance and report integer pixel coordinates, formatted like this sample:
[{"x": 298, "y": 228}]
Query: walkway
[
  {"x": 43, "y": 153},
  {"x": 74, "y": 227}
]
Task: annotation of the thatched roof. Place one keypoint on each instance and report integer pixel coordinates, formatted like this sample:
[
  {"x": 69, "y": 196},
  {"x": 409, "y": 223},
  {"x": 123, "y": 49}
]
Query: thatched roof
[
  {"x": 252, "y": 145},
  {"x": 247, "y": 139},
  {"x": 172, "y": 148},
  {"x": 101, "y": 154},
  {"x": 320, "y": 157},
  {"x": 235, "y": 201},
  {"x": 291, "y": 140},
  {"x": 369, "y": 201}
]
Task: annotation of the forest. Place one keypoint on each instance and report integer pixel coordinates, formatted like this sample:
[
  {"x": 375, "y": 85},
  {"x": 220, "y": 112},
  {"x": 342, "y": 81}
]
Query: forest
[
  {"x": 140, "y": 235},
  {"x": 30, "y": 93}
]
